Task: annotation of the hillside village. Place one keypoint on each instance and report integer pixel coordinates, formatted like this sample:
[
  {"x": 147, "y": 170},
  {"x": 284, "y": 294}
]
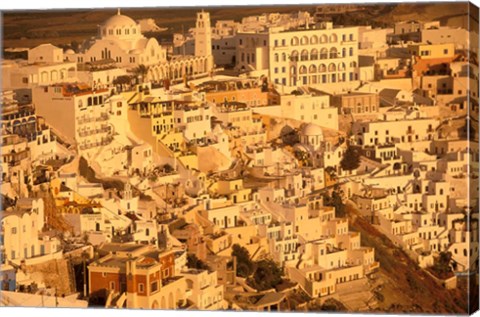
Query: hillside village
[{"x": 228, "y": 170}]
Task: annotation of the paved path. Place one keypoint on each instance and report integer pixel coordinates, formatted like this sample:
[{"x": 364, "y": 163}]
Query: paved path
[{"x": 356, "y": 294}]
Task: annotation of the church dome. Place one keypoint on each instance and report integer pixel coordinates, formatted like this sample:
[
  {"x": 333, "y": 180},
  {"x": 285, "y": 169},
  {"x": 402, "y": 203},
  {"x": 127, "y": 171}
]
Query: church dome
[
  {"x": 119, "y": 21},
  {"x": 312, "y": 129}
]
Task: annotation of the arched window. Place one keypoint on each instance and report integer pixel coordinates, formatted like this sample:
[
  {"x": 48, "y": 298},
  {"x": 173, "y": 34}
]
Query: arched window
[
  {"x": 303, "y": 70},
  {"x": 353, "y": 64},
  {"x": 324, "y": 38},
  {"x": 341, "y": 66},
  {"x": 294, "y": 41},
  {"x": 333, "y": 52},
  {"x": 324, "y": 53},
  {"x": 284, "y": 57},
  {"x": 314, "y": 54},
  {"x": 332, "y": 67},
  {"x": 275, "y": 57},
  {"x": 351, "y": 51},
  {"x": 304, "y": 40},
  {"x": 304, "y": 56},
  {"x": 322, "y": 68},
  {"x": 344, "y": 52},
  {"x": 294, "y": 56},
  {"x": 313, "y": 39},
  {"x": 333, "y": 38},
  {"x": 312, "y": 69}
]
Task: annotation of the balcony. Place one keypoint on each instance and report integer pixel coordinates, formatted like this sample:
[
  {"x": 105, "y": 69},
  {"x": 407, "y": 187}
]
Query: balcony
[
  {"x": 102, "y": 117},
  {"x": 103, "y": 142},
  {"x": 103, "y": 129}
]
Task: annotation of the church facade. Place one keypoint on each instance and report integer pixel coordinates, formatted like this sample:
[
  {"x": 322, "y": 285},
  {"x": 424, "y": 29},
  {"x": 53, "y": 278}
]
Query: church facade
[{"x": 120, "y": 41}]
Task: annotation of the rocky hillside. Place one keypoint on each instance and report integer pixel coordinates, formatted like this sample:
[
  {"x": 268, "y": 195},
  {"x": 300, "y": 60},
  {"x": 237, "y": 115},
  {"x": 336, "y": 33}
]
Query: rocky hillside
[{"x": 403, "y": 286}]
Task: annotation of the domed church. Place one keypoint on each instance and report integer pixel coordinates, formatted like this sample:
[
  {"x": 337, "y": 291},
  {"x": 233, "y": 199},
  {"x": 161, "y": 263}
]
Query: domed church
[{"x": 120, "y": 40}]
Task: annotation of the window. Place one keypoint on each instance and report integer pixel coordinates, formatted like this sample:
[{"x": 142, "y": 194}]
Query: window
[
  {"x": 14, "y": 230},
  {"x": 112, "y": 285},
  {"x": 154, "y": 287},
  {"x": 445, "y": 51},
  {"x": 141, "y": 288}
]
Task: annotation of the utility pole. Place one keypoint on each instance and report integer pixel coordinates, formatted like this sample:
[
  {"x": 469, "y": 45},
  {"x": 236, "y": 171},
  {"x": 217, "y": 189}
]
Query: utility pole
[
  {"x": 184, "y": 41},
  {"x": 84, "y": 276}
]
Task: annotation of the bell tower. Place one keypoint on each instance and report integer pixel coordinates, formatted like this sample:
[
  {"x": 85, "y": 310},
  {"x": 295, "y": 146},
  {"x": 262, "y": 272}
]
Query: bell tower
[
  {"x": 203, "y": 35},
  {"x": 203, "y": 39}
]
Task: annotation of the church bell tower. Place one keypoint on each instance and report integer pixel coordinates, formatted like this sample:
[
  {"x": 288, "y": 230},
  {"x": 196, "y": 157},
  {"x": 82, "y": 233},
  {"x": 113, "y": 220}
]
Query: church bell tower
[{"x": 203, "y": 37}]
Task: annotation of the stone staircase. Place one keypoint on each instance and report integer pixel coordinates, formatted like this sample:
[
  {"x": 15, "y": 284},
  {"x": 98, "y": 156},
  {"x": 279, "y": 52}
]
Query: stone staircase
[{"x": 356, "y": 295}]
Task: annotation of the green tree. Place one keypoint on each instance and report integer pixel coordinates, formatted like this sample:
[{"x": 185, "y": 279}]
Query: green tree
[
  {"x": 267, "y": 275},
  {"x": 331, "y": 172},
  {"x": 122, "y": 80},
  {"x": 141, "y": 71},
  {"x": 337, "y": 202},
  {"x": 244, "y": 265},
  {"x": 351, "y": 159},
  {"x": 193, "y": 262},
  {"x": 442, "y": 264}
]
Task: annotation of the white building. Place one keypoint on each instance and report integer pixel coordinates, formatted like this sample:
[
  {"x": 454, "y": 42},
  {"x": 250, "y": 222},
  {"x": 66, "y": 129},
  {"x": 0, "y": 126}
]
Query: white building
[
  {"x": 310, "y": 108},
  {"x": 120, "y": 39},
  {"x": 78, "y": 113},
  {"x": 302, "y": 56},
  {"x": 205, "y": 291},
  {"x": 22, "y": 235}
]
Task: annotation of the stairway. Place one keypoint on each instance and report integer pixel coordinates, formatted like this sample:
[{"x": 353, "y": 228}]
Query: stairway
[{"x": 356, "y": 295}]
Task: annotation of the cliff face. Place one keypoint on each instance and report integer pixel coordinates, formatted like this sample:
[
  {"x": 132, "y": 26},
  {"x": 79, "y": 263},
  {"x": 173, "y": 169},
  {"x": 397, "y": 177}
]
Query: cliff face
[
  {"x": 54, "y": 274},
  {"x": 401, "y": 286}
]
